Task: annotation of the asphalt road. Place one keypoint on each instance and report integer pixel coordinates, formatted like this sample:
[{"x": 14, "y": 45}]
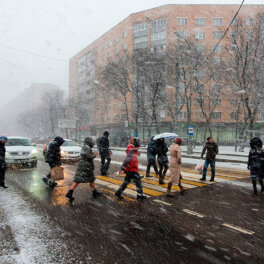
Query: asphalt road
[{"x": 210, "y": 223}]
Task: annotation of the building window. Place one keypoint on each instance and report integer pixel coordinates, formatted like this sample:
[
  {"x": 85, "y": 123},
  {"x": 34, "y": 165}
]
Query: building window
[
  {"x": 116, "y": 51},
  {"x": 249, "y": 21},
  {"x": 249, "y": 35},
  {"x": 217, "y": 48},
  {"x": 233, "y": 88},
  {"x": 110, "y": 43},
  {"x": 115, "y": 106},
  {"x": 125, "y": 34},
  {"x": 116, "y": 39},
  {"x": 233, "y": 115},
  {"x": 200, "y": 47},
  {"x": 140, "y": 39},
  {"x": 110, "y": 54},
  {"x": 217, "y": 60},
  {"x": 181, "y": 21},
  {"x": 141, "y": 26},
  {"x": 199, "y": 101},
  {"x": 217, "y": 34},
  {"x": 125, "y": 46},
  {"x": 234, "y": 35},
  {"x": 233, "y": 102},
  {"x": 216, "y": 115},
  {"x": 182, "y": 115},
  {"x": 181, "y": 87},
  {"x": 200, "y": 21},
  {"x": 159, "y": 22},
  {"x": 200, "y": 88},
  {"x": 200, "y": 35},
  {"x": 181, "y": 34},
  {"x": 216, "y": 101},
  {"x": 233, "y": 47},
  {"x": 163, "y": 47},
  {"x": 217, "y": 21},
  {"x": 158, "y": 35},
  {"x": 234, "y": 22}
]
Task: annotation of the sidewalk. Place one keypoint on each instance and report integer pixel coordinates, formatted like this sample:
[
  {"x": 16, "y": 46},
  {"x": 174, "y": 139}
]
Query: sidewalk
[{"x": 8, "y": 245}]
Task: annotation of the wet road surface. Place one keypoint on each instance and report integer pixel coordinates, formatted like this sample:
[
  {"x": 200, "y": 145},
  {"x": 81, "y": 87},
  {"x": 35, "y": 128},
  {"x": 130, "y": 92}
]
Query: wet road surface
[{"x": 211, "y": 223}]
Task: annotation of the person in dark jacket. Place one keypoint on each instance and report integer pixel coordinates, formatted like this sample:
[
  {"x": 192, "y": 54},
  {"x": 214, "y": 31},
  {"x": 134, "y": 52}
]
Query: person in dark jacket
[
  {"x": 3, "y": 140},
  {"x": 151, "y": 155},
  {"x": 85, "y": 169},
  {"x": 105, "y": 153},
  {"x": 256, "y": 164},
  {"x": 130, "y": 167},
  {"x": 163, "y": 160},
  {"x": 211, "y": 149},
  {"x": 53, "y": 157}
]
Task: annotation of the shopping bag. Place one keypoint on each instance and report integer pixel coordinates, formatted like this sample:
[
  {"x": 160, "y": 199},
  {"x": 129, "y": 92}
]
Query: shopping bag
[
  {"x": 57, "y": 173},
  {"x": 199, "y": 166}
]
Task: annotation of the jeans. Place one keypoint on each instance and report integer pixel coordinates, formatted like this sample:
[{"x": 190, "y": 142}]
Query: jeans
[
  {"x": 152, "y": 163},
  {"x": 212, "y": 165},
  {"x": 105, "y": 165},
  {"x": 131, "y": 176}
]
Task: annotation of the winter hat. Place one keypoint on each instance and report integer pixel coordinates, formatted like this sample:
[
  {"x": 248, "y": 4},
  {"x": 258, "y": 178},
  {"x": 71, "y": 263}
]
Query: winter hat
[
  {"x": 136, "y": 142},
  {"x": 178, "y": 140},
  {"x": 255, "y": 142},
  {"x": 59, "y": 140},
  {"x": 3, "y": 138},
  {"x": 89, "y": 141},
  {"x": 106, "y": 133}
]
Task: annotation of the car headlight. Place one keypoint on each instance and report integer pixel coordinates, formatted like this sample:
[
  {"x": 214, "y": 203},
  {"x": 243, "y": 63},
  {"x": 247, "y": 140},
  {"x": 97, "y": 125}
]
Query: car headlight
[
  {"x": 63, "y": 152},
  {"x": 34, "y": 152}
]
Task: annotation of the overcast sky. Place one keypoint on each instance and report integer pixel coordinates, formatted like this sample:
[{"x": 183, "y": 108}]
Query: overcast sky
[{"x": 59, "y": 29}]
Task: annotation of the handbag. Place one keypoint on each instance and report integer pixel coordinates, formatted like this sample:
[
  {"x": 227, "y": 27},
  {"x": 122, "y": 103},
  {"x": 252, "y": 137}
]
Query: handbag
[
  {"x": 199, "y": 166},
  {"x": 57, "y": 173}
]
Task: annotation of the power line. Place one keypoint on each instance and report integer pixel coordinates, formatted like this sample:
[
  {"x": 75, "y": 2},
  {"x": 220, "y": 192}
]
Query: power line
[{"x": 227, "y": 28}]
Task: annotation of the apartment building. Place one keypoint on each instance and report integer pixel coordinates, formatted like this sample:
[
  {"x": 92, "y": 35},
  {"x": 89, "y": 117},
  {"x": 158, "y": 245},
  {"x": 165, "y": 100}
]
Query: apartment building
[{"x": 153, "y": 29}]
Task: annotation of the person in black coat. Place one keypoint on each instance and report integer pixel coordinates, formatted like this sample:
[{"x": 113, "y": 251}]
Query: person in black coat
[
  {"x": 3, "y": 140},
  {"x": 163, "y": 160},
  {"x": 53, "y": 157},
  {"x": 151, "y": 155},
  {"x": 256, "y": 164},
  {"x": 105, "y": 153}
]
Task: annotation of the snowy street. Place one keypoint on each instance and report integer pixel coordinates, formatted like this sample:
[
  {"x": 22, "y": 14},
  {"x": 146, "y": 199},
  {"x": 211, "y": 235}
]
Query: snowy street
[{"x": 211, "y": 223}]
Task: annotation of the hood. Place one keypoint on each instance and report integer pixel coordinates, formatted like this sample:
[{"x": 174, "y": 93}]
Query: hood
[
  {"x": 89, "y": 141},
  {"x": 59, "y": 140},
  {"x": 106, "y": 134}
]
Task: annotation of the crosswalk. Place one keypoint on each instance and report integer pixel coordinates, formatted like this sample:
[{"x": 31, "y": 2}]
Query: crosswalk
[{"x": 152, "y": 188}]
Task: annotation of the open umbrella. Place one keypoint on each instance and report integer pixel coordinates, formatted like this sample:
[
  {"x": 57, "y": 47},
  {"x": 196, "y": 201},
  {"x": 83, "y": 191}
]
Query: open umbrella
[{"x": 165, "y": 135}]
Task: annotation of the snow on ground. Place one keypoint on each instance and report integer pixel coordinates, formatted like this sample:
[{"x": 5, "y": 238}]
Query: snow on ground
[{"x": 37, "y": 238}]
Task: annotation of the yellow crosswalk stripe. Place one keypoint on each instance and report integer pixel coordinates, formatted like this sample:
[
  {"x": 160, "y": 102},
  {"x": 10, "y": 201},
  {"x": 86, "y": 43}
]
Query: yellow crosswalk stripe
[
  {"x": 125, "y": 197},
  {"x": 130, "y": 186}
]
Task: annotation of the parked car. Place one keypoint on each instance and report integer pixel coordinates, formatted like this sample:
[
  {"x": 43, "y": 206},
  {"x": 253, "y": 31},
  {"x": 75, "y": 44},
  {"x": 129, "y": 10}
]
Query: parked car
[
  {"x": 70, "y": 151},
  {"x": 20, "y": 150}
]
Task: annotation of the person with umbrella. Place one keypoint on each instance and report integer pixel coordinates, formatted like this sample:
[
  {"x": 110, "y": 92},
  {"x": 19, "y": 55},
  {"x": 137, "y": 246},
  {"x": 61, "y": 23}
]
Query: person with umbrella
[{"x": 151, "y": 155}]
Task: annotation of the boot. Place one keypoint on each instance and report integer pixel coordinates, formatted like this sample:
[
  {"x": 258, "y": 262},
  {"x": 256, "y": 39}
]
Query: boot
[
  {"x": 119, "y": 196},
  {"x": 161, "y": 181},
  {"x": 69, "y": 195},
  {"x": 4, "y": 186},
  {"x": 169, "y": 193},
  {"x": 95, "y": 193},
  {"x": 141, "y": 197}
]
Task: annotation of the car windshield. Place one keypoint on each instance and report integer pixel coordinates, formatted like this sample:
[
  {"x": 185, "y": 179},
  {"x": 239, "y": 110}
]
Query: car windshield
[
  {"x": 18, "y": 142},
  {"x": 68, "y": 143}
]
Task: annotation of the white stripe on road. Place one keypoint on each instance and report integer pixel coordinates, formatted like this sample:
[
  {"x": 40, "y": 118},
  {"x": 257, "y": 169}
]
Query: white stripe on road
[
  {"x": 193, "y": 213},
  {"x": 162, "y": 202},
  {"x": 240, "y": 229}
]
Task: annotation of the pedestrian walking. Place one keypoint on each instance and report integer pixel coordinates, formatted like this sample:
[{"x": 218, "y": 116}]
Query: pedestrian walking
[
  {"x": 256, "y": 164},
  {"x": 211, "y": 149},
  {"x": 53, "y": 157},
  {"x": 130, "y": 167},
  {"x": 85, "y": 169},
  {"x": 130, "y": 145},
  {"x": 151, "y": 155},
  {"x": 105, "y": 153},
  {"x": 163, "y": 160},
  {"x": 3, "y": 140},
  {"x": 175, "y": 166}
]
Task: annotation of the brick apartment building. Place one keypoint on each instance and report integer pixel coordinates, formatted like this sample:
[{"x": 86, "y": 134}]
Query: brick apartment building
[{"x": 153, "y": 29}]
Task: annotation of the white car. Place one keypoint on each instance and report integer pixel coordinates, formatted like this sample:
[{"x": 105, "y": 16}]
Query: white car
[
  {"x": 19, "y": 150},
  {"x": 70, "y": 151}
]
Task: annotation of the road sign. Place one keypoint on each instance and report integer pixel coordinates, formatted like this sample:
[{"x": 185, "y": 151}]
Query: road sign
[
  {"x": 66, "y": 123},
  {"x": 190, "y": 131}
]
